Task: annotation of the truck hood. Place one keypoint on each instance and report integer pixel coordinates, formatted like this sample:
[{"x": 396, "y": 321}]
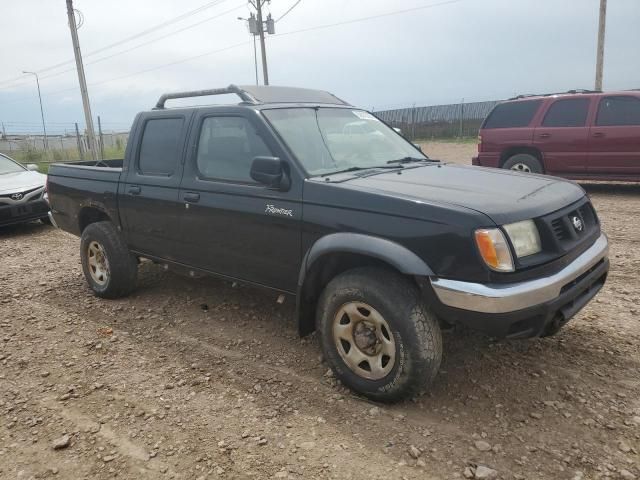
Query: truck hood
[
  {"x": 504, "y": 196},
  {"x": 20, "y": 181}
]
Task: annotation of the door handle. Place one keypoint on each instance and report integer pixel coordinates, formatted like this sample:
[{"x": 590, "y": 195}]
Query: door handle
[
  {"x": 545, "y": 135},
  {"x": 191, "y": 197},
  {"x": 598, "y": 134},
  {"x": 134, "y": 190}
]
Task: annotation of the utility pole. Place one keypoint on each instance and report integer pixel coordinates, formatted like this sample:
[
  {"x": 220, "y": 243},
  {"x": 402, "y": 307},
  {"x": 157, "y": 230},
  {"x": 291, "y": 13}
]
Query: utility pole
[
  {"x": 79, "y": 140},
  {"x": 600, "y": 53},
  {"x": 265, "y": 73},
  {"x": 255, "y": 59},
  {"x": 101, "y": 139},
  {"x": 83, "y": 82},
  {"x": 258, "y": 26},
  {"x": 44, "y": 128},
  {"x": 252, "y": 23}
]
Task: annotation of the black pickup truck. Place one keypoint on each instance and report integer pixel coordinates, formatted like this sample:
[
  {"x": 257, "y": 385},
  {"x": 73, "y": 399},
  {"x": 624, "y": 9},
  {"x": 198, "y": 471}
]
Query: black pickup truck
[{"x": 298, "y": 191}]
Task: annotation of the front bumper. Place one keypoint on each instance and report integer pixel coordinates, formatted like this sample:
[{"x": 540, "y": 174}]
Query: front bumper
[
  {"x": 526, "y": 308},
  {"x": 22, "y": 213}
]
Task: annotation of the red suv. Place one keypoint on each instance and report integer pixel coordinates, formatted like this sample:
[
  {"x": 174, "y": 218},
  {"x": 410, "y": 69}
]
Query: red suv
[{"x": 579, "y": 134}]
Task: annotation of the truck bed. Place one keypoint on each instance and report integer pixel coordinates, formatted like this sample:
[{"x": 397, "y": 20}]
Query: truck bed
[{"x": 78, "y": 189}]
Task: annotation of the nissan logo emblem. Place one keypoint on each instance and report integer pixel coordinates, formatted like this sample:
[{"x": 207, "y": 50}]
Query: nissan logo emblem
[{"x": 577, "y": 223}]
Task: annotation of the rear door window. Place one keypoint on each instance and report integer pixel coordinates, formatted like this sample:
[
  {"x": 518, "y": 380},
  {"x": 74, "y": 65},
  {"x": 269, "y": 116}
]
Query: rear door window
[
  {"x": 160, "y": 147},
  {"x": 619, "y": 110},
  {"x": 512, "y": 114},
  {"x": 570, "y": 112}
]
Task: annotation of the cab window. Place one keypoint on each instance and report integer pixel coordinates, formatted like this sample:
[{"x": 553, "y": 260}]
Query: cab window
[
  {"x": 160, "y": 147},
  {"x": 227, "y": 147}
]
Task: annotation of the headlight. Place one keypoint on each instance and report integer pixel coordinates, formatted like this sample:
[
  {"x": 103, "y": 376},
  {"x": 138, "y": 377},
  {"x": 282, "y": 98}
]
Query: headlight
[
  {"x": 524, "y": 237},
  {"x": 494, "y": 249}
]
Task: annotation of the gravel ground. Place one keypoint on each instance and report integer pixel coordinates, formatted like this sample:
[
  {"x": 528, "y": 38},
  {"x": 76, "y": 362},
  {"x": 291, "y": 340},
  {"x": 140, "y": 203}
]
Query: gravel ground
[{"x": 201, "y": 379}]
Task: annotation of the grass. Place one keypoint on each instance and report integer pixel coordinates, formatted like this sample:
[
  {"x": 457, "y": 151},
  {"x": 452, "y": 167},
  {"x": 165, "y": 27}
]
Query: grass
[{"x": 28, "y": 155}]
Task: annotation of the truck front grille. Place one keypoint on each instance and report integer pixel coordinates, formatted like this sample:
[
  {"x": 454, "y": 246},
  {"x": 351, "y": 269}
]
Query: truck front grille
[{"x": 568, "y": 228}]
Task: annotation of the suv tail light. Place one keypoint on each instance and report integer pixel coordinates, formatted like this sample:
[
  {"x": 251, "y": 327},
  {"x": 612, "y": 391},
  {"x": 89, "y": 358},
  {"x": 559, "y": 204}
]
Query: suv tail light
[{"x": 479, "y": 143}]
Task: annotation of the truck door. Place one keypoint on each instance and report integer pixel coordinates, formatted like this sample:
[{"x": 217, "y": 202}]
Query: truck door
[
  {"x": 230, "y": 224},
  {"x": 148, "y": 196},
  {"x": 615, "y": 136},
  {"x": 563, "y": 136}
]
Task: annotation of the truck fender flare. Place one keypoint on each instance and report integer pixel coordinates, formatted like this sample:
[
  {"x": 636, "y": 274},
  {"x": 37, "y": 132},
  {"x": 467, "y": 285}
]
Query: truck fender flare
[
  {"x": 401, "y": 258},
  {"x": 91, "y": 206},
  {"x": 392, "y": 253}
]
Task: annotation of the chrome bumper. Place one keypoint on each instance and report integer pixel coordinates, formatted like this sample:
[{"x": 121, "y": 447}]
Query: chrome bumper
[
  {"x": 503, "y": 298},
  {"x": 53, "y": 222}
]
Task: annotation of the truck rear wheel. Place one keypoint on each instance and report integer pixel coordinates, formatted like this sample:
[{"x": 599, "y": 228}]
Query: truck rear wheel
[
  {"x": 108, "y": 266},
  {"x": 377, "y": 335}
]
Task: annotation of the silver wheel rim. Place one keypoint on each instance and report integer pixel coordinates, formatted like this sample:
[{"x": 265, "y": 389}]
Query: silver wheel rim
[
  {"x": 521, "y": 167},
  {"x": 364, "y": 340},
  {"x": 98, "y": 264}
]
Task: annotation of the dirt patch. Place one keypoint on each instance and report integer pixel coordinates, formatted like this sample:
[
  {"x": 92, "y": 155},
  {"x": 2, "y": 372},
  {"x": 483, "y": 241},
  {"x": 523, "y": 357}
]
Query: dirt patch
[
  {"x": 450, "y": 151},
  {"x": 155, "y": 386}
]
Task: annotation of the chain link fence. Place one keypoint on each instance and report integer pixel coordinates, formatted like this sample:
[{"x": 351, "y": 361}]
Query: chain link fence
[
  {"x": 36, "y": 148},
  {"x": 439, "y": 121},
  {"x": 431, "y": 122}
]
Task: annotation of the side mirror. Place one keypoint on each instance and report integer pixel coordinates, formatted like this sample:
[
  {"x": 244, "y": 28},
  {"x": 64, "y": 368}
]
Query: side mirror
[
  {"x": 419, "y": 147},
  {"x": 269, "y": 171},
  {"x": 397, "y": 130},
  {"x": 32, "y": 166}
]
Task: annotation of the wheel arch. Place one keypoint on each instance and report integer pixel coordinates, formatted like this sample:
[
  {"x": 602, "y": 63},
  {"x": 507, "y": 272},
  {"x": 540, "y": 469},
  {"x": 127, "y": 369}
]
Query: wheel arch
[
  {"x": 91, "y": 214},
  {"x": 338, "y": 252},
  {"x": 511, "y": 151}
]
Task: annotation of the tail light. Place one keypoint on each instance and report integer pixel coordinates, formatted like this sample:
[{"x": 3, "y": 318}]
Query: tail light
[{"x": 479, "y": 143}]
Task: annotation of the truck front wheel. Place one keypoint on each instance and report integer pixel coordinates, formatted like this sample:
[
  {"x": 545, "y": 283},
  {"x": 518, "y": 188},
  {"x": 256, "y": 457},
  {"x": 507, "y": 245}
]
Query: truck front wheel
[
  {"x": 108, "y": 266},
  {"x": 377, "y": 335}
]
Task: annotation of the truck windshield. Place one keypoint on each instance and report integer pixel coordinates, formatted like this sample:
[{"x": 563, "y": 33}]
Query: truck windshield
[
  {"x": 328, "y": 140},
  {"x": 9, "y": 166}
]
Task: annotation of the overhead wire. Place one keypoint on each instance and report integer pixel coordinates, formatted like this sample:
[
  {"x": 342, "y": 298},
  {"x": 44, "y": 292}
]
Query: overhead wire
[
  {"x": 135, "y": 47},
  {"x": 303, "y": 30},
  {"x": 132, "y": 37},
  {"x": 289, "y": 10},
  {"x": 364, "y": 19}
]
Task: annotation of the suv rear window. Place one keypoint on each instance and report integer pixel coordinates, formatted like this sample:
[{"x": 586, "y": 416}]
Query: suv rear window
[
  {"x": 618, "y": 111},
  {"x": 570, "y": 112},
  {"x": 512, "y": 114}
]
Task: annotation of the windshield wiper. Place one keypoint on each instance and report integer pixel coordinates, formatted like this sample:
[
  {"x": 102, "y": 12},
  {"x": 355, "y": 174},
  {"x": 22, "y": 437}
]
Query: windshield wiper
[
  {"x": 411, "y": 160},
  {"x": 356, "y": 169}
]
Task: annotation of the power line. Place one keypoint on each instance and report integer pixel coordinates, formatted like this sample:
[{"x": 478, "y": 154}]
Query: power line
[
  {"x": 318, "y": 27},
  {"x": 287, "y": 12},
  {"x": 139, "y": 72},
  {"x": 172, "y": 63},
  {"x": 101, "y": 59},
  {"x": 364, "y": 19},
  {"x": 159, "y": 26},
  {"x": 132, "y": 37}
]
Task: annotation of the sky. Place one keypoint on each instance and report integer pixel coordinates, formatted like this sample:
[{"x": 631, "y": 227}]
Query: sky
[{"x": 431, "y": 52}]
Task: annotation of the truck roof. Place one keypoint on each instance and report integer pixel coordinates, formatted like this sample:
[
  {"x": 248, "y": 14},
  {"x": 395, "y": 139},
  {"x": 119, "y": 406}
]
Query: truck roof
[{"x": 261, "y": 95}]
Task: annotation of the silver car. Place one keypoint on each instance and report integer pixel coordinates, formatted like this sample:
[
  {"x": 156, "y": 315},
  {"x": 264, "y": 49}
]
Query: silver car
[{"x": 23, "y": 196}]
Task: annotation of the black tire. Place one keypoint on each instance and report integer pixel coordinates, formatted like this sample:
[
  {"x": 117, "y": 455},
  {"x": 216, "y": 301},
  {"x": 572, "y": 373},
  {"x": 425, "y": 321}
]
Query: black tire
[
  {"x": 415, "y": 330},
  {"x": 523, "y": 162},
  {"x": 120, "y": 265}
]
